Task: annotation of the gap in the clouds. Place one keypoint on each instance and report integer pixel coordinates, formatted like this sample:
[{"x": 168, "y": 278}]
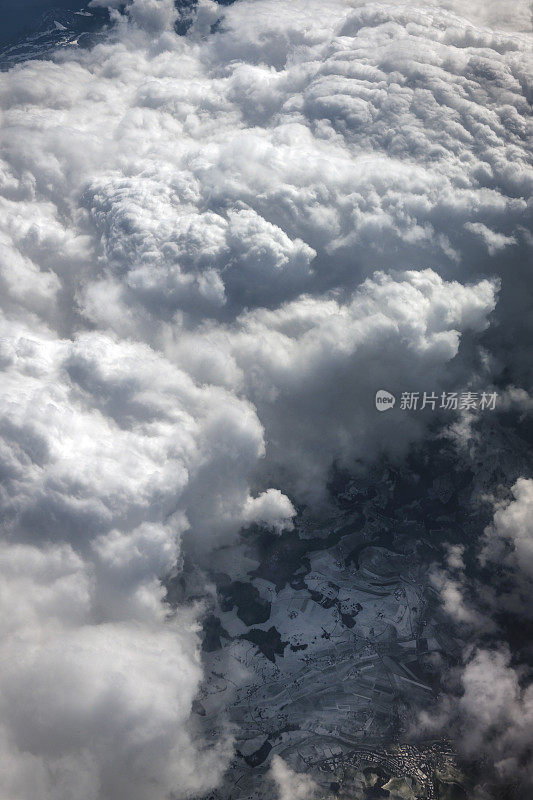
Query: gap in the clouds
[
  {"x": 187, "y": 9},
  {"x": 20, "y": 18},
  {"x": 38, "y": 28},
  {"x": 45, "y": 27},
  {"x": 349, "y": 585}
]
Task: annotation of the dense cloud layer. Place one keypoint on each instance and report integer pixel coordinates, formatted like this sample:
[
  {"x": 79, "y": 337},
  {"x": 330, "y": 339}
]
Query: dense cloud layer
[
  {"x": 214, "y": 249},
  {"x": 312, "y": 367}
]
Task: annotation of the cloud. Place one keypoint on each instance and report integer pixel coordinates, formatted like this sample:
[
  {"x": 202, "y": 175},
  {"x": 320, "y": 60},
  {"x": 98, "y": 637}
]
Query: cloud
[
  {"x": 490, "y": 718},
  {"x": 289, "y": 784},
  {"x": 312, "y": 367},
  {"x": 495, "y": 14},
  {"x": 214, "y": 249},
  {"x": 93, "y": 708},
  {"x": 105, "y": 448},
  {"x": 487, "y": 703},
  {"x": 509, "y": 540},
  {"x": 288, "y": 153},
  {"x": 499, "y": 708}
]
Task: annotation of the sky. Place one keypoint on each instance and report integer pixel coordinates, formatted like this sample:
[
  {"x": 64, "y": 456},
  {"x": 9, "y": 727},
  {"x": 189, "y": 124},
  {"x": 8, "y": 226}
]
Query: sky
[{"x": 214, "y": 250}]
